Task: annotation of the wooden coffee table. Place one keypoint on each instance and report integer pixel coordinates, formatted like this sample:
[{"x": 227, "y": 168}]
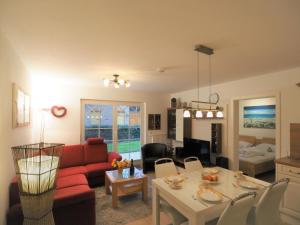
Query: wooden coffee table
[{"x": 124, "y": 184}]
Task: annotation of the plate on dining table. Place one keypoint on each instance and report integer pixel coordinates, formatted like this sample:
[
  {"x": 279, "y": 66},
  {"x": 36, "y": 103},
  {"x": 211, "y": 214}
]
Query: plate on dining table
[
  {"x": 174, "y": 179},
  {"x": 247, "y": 184},
  {"x": 176, "y": 186},
  {"x": 209, "y": 195},
  {"x": 175, "y": 182}
]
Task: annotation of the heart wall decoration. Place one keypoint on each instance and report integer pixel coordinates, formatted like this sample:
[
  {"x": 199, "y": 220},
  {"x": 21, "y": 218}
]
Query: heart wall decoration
[{"x": 58, "y": 111}]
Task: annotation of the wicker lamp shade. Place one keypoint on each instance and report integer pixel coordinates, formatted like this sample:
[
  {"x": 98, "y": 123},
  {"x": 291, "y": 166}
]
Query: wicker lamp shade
[{"x": 36, "y": 167}]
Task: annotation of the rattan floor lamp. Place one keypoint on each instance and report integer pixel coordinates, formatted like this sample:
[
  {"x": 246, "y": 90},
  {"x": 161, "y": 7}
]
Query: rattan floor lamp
[{"x": 36, "y": 167}]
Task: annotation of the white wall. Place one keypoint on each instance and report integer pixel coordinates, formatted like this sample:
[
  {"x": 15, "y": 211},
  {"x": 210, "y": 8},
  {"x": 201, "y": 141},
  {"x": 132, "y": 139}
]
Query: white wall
[
  {"x": 48, "y": 92},
  {"x": 11, "y": 70},
  {"x": 258, "y": 133},
  {"x": 283, "y": 82}
]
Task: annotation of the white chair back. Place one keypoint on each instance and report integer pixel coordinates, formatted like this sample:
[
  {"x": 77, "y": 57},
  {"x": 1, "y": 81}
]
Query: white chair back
[
  {"x": 192, "y": 164},
  {"x": 267, "y": 209},
  {"x": 165, "y": 167},
  {"x": 291, "y": 201},
  {"x": 237, "y": 210}
]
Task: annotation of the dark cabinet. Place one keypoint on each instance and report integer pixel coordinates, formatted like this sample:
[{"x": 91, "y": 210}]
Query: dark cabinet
[
  {"x": 216, "y": 138},
  {"x": 171, "y": 123},
  {"x": 178, "y": 127}
]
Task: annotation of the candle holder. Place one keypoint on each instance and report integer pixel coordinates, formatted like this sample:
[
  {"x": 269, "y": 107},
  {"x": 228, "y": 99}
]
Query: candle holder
[{"x": 36, "y": 166}]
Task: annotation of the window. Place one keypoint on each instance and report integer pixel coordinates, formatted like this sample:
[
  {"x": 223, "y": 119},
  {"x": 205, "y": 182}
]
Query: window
[
  {"x": 99, "y": 123},
  {"x": 118, "y": 123}
]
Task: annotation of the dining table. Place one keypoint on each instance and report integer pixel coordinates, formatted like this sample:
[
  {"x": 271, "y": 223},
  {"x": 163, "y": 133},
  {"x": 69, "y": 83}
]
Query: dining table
[{"x": 186, "y": 201}]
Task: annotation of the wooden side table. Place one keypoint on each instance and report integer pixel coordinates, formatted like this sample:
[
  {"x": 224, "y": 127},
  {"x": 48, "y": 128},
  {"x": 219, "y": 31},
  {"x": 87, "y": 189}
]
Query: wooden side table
[{"x": 124, "y": 184}]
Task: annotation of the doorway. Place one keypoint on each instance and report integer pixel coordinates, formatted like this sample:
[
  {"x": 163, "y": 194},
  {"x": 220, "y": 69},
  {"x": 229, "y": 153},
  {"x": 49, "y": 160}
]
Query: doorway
[
  {"x": 256, "y": 135},
  {"x": 119, "y": 123}
]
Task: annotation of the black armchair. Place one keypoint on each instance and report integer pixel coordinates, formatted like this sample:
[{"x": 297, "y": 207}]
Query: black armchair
[{"x": 152, "y": 152}]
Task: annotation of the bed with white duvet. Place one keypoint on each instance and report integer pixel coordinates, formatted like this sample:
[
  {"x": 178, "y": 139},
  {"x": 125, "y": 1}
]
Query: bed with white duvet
[{"x": 257, "y": 158}]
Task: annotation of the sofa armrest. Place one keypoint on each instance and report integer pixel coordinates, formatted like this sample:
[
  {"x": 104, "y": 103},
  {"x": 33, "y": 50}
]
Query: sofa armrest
[
  {"x": 14, "y": 196},
  {"x": 14, "y": 215},
  {"x": 114, "y": 155}
]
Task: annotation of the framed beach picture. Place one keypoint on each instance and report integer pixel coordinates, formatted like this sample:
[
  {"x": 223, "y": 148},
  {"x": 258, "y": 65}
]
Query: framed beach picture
[
  {"x": 21, "y": 107},
  {"x": 262, "y": 116}
]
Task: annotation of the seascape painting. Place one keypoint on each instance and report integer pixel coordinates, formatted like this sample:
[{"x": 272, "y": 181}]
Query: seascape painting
[{"x": 263, "y": 116}]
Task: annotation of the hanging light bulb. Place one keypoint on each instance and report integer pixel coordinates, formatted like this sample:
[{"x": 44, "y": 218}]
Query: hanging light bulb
[
  {"x": 121, "y": 82},
  {"x": 209, "y": 114},
  {"x": 199, "y": 114},
  {"x": 220, "y": 114},
  {"x": 186, "y": 114},
  {"x": 116, "y": 85},
  {"x": 106, "y": 82},
  {"x": 127, "y": 83}
]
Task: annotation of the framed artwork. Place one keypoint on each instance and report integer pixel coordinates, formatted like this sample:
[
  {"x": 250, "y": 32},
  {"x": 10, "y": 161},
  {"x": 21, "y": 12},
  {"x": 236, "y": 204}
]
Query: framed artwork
[
  {"x": 154, "y": 121},
  {"x": 262, "y": 116},
  {"x": 21, "y": 107}
]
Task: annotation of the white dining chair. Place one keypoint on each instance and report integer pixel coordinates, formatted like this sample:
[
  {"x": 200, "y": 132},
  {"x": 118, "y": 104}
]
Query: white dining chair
[
  {"x": 266, "y": 211},
  {"x": 236, "y": 212},
  {"x": 192, "y": 163},
  {"x": 291, "y": 203},
  {"x": 165, "y": 167}
]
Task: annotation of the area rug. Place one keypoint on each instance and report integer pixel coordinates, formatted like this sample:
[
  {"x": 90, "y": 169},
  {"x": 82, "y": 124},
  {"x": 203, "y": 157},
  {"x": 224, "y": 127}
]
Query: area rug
[{"x": 130, "y": 208}]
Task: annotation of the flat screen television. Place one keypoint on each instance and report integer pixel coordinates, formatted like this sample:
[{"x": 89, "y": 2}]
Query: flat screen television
[{"x": 198, "y": 148}]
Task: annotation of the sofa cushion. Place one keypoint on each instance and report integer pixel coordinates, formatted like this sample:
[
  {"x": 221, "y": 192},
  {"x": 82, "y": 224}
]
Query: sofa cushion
[
  {"x": 69, "y": 181},
  {"x": 72, "y": 171},
  {"x": 72, "y": 195},
  {"x": 72, "y": 155},
  {"x": 97, "y": 169},
  {"x": 95, "y": 153},
  {"x": 77, "y": 202}
]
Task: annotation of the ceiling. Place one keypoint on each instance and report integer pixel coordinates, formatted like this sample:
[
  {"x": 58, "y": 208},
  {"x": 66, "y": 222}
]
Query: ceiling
[{"x": 91, "y": 40}]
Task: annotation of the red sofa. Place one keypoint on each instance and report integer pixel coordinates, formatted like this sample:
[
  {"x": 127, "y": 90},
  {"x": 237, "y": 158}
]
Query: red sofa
[{"x": 81, "y": 167}]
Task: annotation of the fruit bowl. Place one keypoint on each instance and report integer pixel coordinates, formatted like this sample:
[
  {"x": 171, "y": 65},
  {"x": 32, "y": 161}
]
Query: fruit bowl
[
  {"x": 210, "y": 179},
  {"x": 211, "y": 170}
]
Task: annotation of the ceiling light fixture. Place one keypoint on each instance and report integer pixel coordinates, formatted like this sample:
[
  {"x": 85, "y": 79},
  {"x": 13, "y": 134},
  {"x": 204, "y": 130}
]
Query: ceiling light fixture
[
  {"x": 186, "y": 113},
  {"x": 219, "y": 114},
  {"x": 209, "y": 114},
  {"x": 213, "y": 98},
  {"x": 199, "y": 114},
  {"x": 116, "y": 82}
]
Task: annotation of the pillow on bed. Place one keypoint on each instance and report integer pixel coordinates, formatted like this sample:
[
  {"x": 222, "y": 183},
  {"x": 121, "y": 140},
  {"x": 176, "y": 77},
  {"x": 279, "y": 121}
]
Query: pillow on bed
[
  {"x": 245, "y": 144},
  {"x": 265, "y": 147}
]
